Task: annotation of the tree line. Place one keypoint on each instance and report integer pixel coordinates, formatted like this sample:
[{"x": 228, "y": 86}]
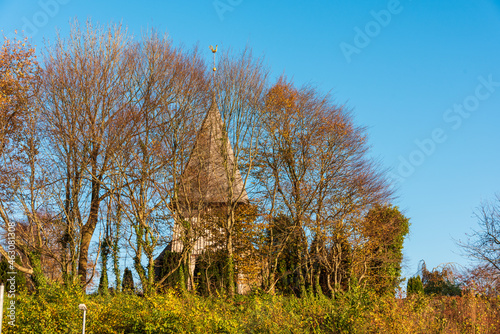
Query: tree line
[
  {"x": 94, "y": 139},
  {"x": 482, "y": 275}
]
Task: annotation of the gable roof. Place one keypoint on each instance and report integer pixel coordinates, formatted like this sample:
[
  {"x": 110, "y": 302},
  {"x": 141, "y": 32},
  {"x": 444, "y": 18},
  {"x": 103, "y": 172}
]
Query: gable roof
[{"x": 207, "y": 175}]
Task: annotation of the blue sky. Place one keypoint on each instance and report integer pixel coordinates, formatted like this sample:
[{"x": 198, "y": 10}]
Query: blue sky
[{"x": 423, "y": 77}]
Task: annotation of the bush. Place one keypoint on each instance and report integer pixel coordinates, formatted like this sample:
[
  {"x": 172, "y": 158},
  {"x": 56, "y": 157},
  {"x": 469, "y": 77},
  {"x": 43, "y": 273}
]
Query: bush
[{"x": 55, "y": 310}]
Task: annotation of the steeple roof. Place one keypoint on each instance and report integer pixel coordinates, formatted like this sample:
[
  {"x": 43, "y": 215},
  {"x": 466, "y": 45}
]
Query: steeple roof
[{"x": 211, "y": 171}]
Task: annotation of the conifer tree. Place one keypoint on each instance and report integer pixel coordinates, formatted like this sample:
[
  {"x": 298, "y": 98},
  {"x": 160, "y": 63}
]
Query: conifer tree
[{"x": 128, "y": 281}]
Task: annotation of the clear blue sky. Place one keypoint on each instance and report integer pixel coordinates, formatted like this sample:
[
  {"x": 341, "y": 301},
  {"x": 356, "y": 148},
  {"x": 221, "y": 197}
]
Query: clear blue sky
[{"x": 423, "y": 76}]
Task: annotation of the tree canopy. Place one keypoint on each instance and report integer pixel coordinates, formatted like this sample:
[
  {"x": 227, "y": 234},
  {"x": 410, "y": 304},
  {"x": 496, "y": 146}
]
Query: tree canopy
[{"x": 109, "y": 125}]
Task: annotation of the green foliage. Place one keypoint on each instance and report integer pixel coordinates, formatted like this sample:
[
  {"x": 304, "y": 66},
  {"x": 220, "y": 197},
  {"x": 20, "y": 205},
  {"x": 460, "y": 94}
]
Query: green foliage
[
  {"x": 103, "y": 280},
  {"x": 128, "y": 280},
  {"x": 166, "y": 265},
  {"x": 443, "y": 288},
  {"x": 38, "y": 276},
  {"x": 334, "y": 265},
  {"x": 55, "y": 310},
  {"x": 210, "y": 273},
  {"x": 6, "y": 273},
  {"x": 237, "y": 258},
  {"x": 414, "y": 285},
  {"x": 341, "y": 249},
  {"x": 386, "y": 228},
  {"x": 288, "y": 264}
]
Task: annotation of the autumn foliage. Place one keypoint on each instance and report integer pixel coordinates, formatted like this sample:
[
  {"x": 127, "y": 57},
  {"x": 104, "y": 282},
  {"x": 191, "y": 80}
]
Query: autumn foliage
[
  {"x": 94, "y": 143},
  {"x": 116, "y": 119},
  {"x": 18, "y": 79}
]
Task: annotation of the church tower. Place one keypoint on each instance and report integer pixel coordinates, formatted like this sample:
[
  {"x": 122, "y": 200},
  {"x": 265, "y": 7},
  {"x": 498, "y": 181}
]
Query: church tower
[{"x": 209, "y": 182}]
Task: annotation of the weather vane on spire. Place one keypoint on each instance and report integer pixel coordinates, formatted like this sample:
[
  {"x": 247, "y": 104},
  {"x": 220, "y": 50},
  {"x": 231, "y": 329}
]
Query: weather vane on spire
[
  {"x": 215, "y": 70},
  {"x": 214, "y": 51}
]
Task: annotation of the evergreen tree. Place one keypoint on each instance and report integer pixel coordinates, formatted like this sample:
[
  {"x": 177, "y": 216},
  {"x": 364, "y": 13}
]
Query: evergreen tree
[
  {"x": 103, "y": 282},
  {"x": 128, "y": 280},
  {"x": 414, "y": 286}
]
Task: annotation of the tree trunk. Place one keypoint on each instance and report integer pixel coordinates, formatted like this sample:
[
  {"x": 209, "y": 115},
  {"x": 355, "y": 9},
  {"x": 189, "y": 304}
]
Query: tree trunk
[
  {"x": 182, "y": 275},
  {"x": 302, "y": 282},
  {"x": 230, "y": 265},
  {"x": 151, "y": 273},
  {"x": 329, "y": 284},
  {"x": 229, "y": 249},
  {"x": 271, "y": 287},
  {"x": 116, "y": 255},
  {"x": 317, "y": 285},
  {"x": 87, "y": 233},
  {"x": 207, "y": 278}
]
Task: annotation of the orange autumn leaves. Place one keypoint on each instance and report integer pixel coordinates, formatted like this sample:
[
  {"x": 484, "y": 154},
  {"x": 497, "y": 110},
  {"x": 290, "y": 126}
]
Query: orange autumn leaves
[
  {"x": 281, "y": 97},
  {"x": 18, "y": 72},
  {"x": 304, "y": 113}
]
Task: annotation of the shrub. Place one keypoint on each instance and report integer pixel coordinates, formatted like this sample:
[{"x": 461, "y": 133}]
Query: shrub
[{"x": 55, "y": 310}]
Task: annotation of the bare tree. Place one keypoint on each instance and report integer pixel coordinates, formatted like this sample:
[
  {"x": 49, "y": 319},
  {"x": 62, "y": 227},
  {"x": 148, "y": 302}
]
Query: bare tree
[
  {"x": 240, "y": 88},
  {"x": 483, "y": 245},
  {"x": 87, "y": 113},
  {"x": 167, "y": 92},
  {"x": 28, "y": 221},
  {"x": 481, "y": 279}
]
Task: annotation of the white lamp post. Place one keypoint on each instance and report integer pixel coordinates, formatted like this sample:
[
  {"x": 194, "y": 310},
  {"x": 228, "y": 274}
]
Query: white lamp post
[
  {"x": 84, "y": 309},
  {"x": 1, "y": 306}
]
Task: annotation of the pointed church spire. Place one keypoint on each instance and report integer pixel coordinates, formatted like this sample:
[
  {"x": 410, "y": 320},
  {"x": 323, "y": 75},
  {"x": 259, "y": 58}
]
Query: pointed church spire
[{"x": 211, "y": 171}]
